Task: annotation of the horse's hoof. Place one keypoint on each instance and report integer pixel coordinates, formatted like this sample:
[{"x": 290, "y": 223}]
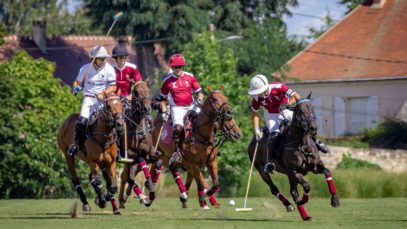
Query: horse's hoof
[
  {"x": 86, "y": 208},
  {"x": 121, "y": 205},
  {"x": 206, "y": 208},
  {"x": 183, "y": 196},
  {"x": 335, "y": 202},
  {"x": 290, "y": 208},
  {"x": 184, "y": 205},
  {"x": 217, "y": 205},
  {"x": 100, "y": 203},
  {"x": 147, "y": 202},
  {"x": 309, "y": 218},
  {"x": 117, "y": 212}
]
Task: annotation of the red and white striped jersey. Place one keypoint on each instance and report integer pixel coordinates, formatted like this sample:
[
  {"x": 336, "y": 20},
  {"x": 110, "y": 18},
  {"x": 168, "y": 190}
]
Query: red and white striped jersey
[
  {"x": 277, "y": 94},
  {"x": 180, "y": 88},
  {"x": 125, "y": 76}
]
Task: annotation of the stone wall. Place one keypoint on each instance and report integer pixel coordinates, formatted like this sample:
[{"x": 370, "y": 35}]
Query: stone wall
[{"x": 389, "y": 160}]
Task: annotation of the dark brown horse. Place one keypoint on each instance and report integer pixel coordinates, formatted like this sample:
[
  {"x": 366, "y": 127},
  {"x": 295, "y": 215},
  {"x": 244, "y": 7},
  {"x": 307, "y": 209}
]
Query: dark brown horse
[
  {"x": 140, "y": 144},
  {"x": 198, "y": 147},
  {"x": 99, "y": 151},
  {"x": 298, "y": 156}
]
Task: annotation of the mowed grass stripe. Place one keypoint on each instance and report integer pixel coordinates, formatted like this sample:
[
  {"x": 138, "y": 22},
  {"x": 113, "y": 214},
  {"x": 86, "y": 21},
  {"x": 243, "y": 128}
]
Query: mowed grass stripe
[{"x": 167, "y": 213}]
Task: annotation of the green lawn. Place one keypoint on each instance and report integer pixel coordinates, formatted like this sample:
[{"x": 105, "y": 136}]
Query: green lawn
[{"x": 166, "y": 213}]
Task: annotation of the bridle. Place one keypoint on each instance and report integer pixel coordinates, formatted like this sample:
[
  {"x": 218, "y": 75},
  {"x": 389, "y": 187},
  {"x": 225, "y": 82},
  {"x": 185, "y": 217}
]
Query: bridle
[{"x": 302, "y": 120}]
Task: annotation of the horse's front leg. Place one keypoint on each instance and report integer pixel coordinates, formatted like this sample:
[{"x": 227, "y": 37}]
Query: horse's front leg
[
  {"x": 110, "y": 176},
  {"x": 188, "y": 183},
  {"x": 329, "y": 180},
  {"x": 294, "y": 193},
  {"x": 142, "y": 165},
  {"x": 213, "y": 171},
  {"x": 178, "y": 180},
  {"x": 96, "y": 182},
  {"x": 123, "y": 178},
  {"x": 70, "y": 161}
]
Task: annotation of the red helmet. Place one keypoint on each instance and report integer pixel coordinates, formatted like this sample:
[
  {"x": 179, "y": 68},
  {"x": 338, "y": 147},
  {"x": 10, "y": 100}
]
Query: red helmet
[{"x": 177, "y": 60}]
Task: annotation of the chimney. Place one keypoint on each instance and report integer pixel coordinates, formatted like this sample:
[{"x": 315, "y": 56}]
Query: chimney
[
  {"x": 40, "y": 35},
  {"x": 377, "y": 4}
]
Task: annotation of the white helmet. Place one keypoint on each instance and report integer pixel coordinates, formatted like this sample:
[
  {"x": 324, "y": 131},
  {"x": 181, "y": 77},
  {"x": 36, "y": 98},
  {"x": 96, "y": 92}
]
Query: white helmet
[
  {"x": 98, "y": 52},
  {"x": 258, "y": 85}
]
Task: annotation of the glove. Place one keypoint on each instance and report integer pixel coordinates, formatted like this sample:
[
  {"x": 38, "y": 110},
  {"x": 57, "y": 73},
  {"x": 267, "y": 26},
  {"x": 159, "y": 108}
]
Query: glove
[
  {"x": 283, "y": 106},
  {"x": 258, "y": 134},
  {"x": 76, "y": 90},
  {"x": 164, "y": 116}
]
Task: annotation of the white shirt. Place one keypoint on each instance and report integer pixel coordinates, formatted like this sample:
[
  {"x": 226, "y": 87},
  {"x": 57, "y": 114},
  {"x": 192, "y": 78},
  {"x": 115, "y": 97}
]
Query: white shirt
[{"x": 97, "y": 80}]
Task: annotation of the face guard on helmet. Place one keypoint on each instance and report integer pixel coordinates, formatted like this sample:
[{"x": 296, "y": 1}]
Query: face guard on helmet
[
  {"x": 258, "y": 85},
  {"x": 98, "y": 52}
]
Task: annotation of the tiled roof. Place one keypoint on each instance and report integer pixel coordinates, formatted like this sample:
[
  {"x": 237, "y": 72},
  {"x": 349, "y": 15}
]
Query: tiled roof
[
  {"x": 370, "y": 42},
  {"x": 68, "y": 52}
]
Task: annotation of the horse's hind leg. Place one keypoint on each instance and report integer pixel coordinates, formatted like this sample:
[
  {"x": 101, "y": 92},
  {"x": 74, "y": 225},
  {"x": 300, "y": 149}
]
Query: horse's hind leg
[
  {"x": 213, "y": 171},
  {"x": 329, "y": 180},
  {"x": 188, "y": 183},
  {"x": 294, "y": 180},
  {"x": 75, "y": 181},
  {"x": 110, "y": 178},
  {"x": 273, "y": 188},
  {"x": 307, "y": 188},
  {"x": 142, "y": 165}
]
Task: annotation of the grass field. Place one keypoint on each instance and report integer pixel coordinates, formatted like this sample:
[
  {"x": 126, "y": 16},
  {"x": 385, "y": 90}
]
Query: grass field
[{"x": 166, "y": 213}]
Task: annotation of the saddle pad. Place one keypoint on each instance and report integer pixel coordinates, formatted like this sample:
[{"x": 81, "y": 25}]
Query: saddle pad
[{"x": 166, "y": 134}]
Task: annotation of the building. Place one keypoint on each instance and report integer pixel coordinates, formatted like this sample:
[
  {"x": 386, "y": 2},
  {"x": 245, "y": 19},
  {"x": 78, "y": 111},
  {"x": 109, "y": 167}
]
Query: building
[{"x": 357, "y": 70}]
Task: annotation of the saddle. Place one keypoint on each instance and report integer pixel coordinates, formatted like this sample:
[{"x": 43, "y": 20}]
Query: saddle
[{"x": 166, "y": 136}]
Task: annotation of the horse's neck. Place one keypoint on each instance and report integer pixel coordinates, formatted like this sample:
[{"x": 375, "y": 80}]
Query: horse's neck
[
  {"x": 204, "y": 126},
  {"x": 100, "y": 127}
]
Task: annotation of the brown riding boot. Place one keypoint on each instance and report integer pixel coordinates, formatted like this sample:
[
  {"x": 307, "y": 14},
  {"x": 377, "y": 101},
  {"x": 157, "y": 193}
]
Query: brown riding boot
[{"x": 176, "y": 135}]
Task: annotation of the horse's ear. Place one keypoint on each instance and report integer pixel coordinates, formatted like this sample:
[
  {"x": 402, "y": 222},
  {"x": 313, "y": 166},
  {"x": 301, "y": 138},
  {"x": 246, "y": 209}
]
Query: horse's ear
[
  {"x": 210, "y": 89},
  {"x": 309, "y": 95},
  {"x": 221, "y": 88}
]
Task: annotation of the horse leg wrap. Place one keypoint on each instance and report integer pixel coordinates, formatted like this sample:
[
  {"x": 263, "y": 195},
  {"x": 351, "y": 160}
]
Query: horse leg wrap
[
  {"x": 303, "y": 213},
  {"x": 212, "y": 200},
  {"x": 305, "y": 197},
  {"x": 96, "y": 183},
  {"x": 82, "y": 196},
  {"x": 138, "y": 192},
  {"x": 283, "y": 200},
  {"x": 110, "y": 192},
  {"x": 178, "y": 180},
  {"x": 201, "y": 196},
  {"x": 143, "y": 165},
  {"x": 155, "y": 174},
  {"x": 213, "y": 190},
  {"x": 331, "y": 184}
]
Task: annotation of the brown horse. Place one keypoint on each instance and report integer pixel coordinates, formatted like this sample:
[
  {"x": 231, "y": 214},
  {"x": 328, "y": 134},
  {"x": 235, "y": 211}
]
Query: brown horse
[
  {"x": 99, "y": 151},
  {"x": 198, "y": 147},
  {"x": 298, "y": 156},
  {"x": 140, "y": 143}
]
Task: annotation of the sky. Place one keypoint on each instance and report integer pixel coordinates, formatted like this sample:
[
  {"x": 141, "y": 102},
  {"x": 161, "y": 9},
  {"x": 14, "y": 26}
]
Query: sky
[
  {"x": 315, "y": 10},
  {"x": 296, "y": 24}
]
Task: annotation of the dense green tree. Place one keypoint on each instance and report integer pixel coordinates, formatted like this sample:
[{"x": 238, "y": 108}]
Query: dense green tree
[
  {"x": 352, "y": 4},
  {"x": 34, "y": 104},
  {"x": 18, "y": 17}
]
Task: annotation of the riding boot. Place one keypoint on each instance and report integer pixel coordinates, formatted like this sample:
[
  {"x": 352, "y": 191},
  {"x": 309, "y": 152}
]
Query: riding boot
[
  {"x": 79, "y": 135},
  {"x": 176, "y": 156},
  {"x": 120, "y": 143},
  {"x": 272, "y": 156},
  {"x": 320, "y": 145}
]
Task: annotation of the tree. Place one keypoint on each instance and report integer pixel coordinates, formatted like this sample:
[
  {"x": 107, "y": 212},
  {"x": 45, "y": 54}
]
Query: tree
[
  {"x": 34, "y": 104},
  {"x": 352, "y": 4},
  {"x": 314, "y": 33},
  {"x": 18, "y": 17}
]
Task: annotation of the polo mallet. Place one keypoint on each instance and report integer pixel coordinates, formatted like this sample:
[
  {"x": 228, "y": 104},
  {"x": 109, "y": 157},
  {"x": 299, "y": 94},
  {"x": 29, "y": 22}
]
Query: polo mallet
[
  {"x": 115, "y": 17},
  {"x": 244, "y": 209},
  {"x": 125, "y": 159}
]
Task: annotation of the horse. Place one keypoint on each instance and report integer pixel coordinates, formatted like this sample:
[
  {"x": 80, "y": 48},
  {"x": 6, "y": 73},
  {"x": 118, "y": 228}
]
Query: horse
[
  {"x": 198, "y": 145},
  {"x": 298, "y": 156},
  {"x": 99, "y": 151},
  {"x": 140, "y": 143}
]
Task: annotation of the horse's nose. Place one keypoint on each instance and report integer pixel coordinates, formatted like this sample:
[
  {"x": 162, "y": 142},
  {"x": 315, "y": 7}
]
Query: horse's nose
[{"x": 239, "y": 135}]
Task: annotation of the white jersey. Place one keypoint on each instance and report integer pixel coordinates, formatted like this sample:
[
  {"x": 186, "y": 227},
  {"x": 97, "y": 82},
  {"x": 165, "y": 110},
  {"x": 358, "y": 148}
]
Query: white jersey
[{"x": 97, "y": 80}]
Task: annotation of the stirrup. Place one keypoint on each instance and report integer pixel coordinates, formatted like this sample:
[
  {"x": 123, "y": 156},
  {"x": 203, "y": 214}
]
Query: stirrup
[
  {"x": 72, "y": 150},
  {"x": 321, "y": 146},
  {"x": 176, "y": 157},
  {"x": 269, "y": 167}
]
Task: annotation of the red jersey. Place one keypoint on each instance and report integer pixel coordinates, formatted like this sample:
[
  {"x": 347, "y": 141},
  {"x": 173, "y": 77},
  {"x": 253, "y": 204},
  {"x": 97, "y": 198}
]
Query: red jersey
[
  {"x": 180, "y": 88},
  {"x": 278, "y": 94},
  {"x": 125, "y": 76}
]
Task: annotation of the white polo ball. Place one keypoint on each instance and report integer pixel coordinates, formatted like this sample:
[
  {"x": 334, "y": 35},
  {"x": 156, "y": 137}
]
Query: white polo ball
[{"x": 232, "y": 203}]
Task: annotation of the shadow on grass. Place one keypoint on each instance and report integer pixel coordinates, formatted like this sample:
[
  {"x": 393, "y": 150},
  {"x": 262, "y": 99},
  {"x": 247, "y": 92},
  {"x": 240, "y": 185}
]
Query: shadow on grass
[{"x": 237, "y": 220}]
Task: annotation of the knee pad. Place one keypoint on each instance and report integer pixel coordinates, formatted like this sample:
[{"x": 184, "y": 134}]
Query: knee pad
[
  {"x": 96, "y": 182},
  {"x": 177, "y": 131}
]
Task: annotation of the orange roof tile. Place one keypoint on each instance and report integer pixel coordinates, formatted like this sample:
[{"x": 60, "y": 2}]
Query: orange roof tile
[{"x": 369, "y": 42}]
